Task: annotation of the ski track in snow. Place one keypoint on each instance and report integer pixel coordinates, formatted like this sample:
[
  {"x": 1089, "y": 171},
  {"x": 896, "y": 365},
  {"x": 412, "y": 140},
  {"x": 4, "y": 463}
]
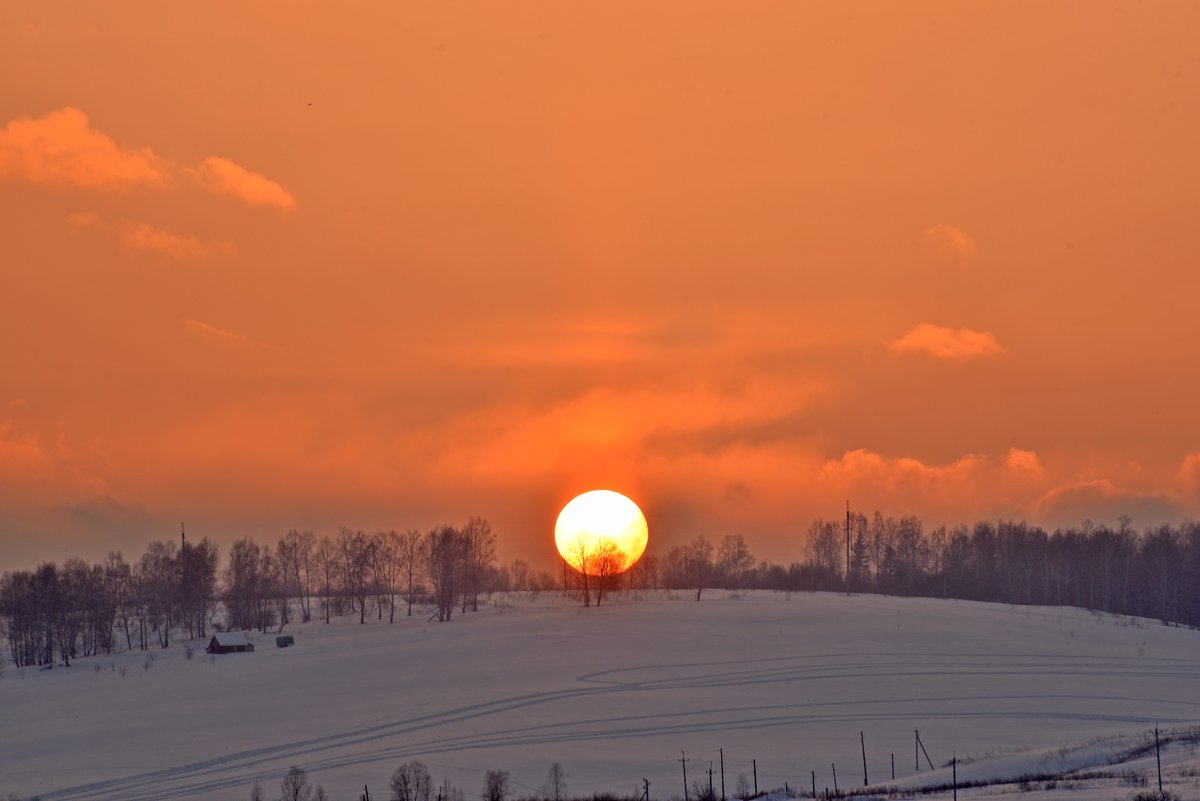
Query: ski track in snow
[
  {"x": 232, "y": 771},
  {"x": 576, "y": 713}
]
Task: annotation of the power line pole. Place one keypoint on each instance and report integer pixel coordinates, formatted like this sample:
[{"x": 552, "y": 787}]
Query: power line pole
[
  {"x": 646, "y": 795},
  {"x": 721, "y": 751},
  {"x": 1158, "y": 759},
  {"x": 863, "y": 742},
  {"x": 683, "y": 760},
  {"x": 754, "y": 762},
  {"x": 710, "y": 786}
]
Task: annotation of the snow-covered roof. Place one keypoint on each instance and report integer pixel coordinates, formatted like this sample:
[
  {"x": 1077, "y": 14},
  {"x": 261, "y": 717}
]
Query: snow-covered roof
[{"x": 224, "y": 638}]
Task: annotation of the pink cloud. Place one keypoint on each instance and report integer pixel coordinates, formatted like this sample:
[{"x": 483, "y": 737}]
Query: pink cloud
[
  {"x": 948, "y": 343},
  {"x": 1023, "y": 461},
  {"x": 950, "y": 240},
  {"x": 141, "y": 236},
  {"x": 211, "y": 334},
  {"x": 1103, "y": 501},
  {"x": 223, "y": 176},
  {"x": 62, "y": 149},
  {"x": 1189, "y": 470},
  {"x": 20, "y": 457}
]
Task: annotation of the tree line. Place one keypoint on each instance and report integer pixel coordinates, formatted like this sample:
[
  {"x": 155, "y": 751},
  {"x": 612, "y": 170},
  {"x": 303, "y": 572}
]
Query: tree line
[
  {"x": 60, "y": 612},
  {"x": 1151, "y": 573},
  {"x": 56, "y": 613}
]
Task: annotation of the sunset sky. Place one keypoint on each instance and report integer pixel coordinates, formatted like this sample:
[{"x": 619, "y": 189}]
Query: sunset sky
[{"x": 270, "y": 264}]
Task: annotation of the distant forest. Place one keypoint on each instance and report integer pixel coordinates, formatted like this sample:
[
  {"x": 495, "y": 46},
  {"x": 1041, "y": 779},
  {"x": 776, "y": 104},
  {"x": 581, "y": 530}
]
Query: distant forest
[{"x": 173, "y": 592}]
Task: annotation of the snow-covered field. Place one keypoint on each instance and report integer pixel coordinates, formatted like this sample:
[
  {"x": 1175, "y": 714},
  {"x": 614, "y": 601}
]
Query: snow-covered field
[{"x": 615, "y": 694}]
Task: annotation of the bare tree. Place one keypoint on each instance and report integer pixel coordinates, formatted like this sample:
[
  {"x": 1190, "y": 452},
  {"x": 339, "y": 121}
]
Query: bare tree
[
  {"x": 495, "y": 786},
  {"x": 479, "y": 542},
  {"x": 412, "y": 549},
  {"x": 256, "y": 793},
  {"x": 411, "y": 782},
  {"x": 328, "y": 560},
  {"x": 518, "y": 573},
  {"x": 158, "y": 569},
  {"x": 582, "y": 551},
  {"x": 444, "y": 557},
  {"x": 698, "y": 558},
  {"x": 294, "y": 786},
  {"x": 389, "y": 556},
  {"x": 606, "y": 562},
  {"x": 448, "y": 792},
  {"x": 356, "y": 550},
  {"x": 734, "y": 559},
  {"x": 555, "y": 786}
]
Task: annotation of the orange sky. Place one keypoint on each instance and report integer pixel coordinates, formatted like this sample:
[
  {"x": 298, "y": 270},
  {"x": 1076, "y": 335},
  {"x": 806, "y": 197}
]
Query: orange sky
[{"x": 270, "y": 264}]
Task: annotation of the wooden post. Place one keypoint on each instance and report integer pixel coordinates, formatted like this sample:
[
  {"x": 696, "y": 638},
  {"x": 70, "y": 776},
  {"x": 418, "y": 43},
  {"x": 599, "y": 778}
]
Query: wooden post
[
  {"x": 710, "y": 773},
  {"x": 683, "y": 761},
  {"x": 863, "y": 742},
  {"x": 923, "y": 751},
  {"x": 836, "y": 791},
  {"x": 954, "y": 774},
  {"x": 754, "y": 762},
  {"x": 814, "y": 778},
  {"x": 721, "y": 751},
  {"x": 1158, "y": 758},
  {"x": 893, "y": 766}
]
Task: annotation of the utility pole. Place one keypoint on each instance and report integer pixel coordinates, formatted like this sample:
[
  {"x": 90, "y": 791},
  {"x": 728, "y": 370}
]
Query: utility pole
[
  {"x": 683, "y": 760},
  {"x": 646, "y": 794},
  {"x": 1158, "y": 759},
  {"x": 954, "y": 774},
  {"x": 863, "y": 742},
  {"x": 814, "y": 781},
  {"x": 893, "y": 766},
  {"x": 835, "y": 787},
  {"x": 721, "y": 751},
  {"x": 754, "y": 762},
  {"x": 710, "y": 773}
]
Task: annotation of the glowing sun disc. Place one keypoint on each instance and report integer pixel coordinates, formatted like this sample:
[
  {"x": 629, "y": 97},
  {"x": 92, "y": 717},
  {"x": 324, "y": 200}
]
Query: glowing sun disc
[{"x": 601, "y": 533}]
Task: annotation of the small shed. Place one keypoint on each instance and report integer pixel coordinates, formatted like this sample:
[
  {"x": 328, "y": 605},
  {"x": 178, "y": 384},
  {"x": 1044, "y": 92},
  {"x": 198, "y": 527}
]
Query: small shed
[
  {"x": 229, "y": 642},
  {"x": 284, "y": 640}
]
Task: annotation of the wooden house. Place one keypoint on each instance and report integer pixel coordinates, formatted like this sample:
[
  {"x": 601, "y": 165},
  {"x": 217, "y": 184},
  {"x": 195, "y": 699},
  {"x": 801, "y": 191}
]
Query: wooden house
[{"x": 229, "y": 642}]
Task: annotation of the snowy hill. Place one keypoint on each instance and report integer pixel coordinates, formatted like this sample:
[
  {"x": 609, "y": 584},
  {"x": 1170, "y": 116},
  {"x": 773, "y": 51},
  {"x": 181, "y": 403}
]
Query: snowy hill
[{"x": 614, "y": 694}]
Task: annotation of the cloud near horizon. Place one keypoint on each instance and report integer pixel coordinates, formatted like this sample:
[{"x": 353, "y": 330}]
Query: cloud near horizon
[
  {"x": 940, "y": 342},
  {"x": 1024, "y": 461},
  {"x": 1101, "y": 500},
  {"x": 1189, "y": 471}
]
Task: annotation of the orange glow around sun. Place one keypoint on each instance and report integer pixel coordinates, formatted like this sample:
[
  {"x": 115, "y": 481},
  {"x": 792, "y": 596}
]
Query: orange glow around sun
[{"x": 601, "y": 533}]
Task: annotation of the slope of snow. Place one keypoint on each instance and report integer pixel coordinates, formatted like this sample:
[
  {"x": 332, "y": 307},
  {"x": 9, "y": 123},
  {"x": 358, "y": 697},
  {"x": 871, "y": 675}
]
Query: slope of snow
[{"x": 614, "y": 694}]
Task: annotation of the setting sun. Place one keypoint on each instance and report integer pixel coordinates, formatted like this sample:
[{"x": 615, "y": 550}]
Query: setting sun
[{"x": 601, "y": 533}]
